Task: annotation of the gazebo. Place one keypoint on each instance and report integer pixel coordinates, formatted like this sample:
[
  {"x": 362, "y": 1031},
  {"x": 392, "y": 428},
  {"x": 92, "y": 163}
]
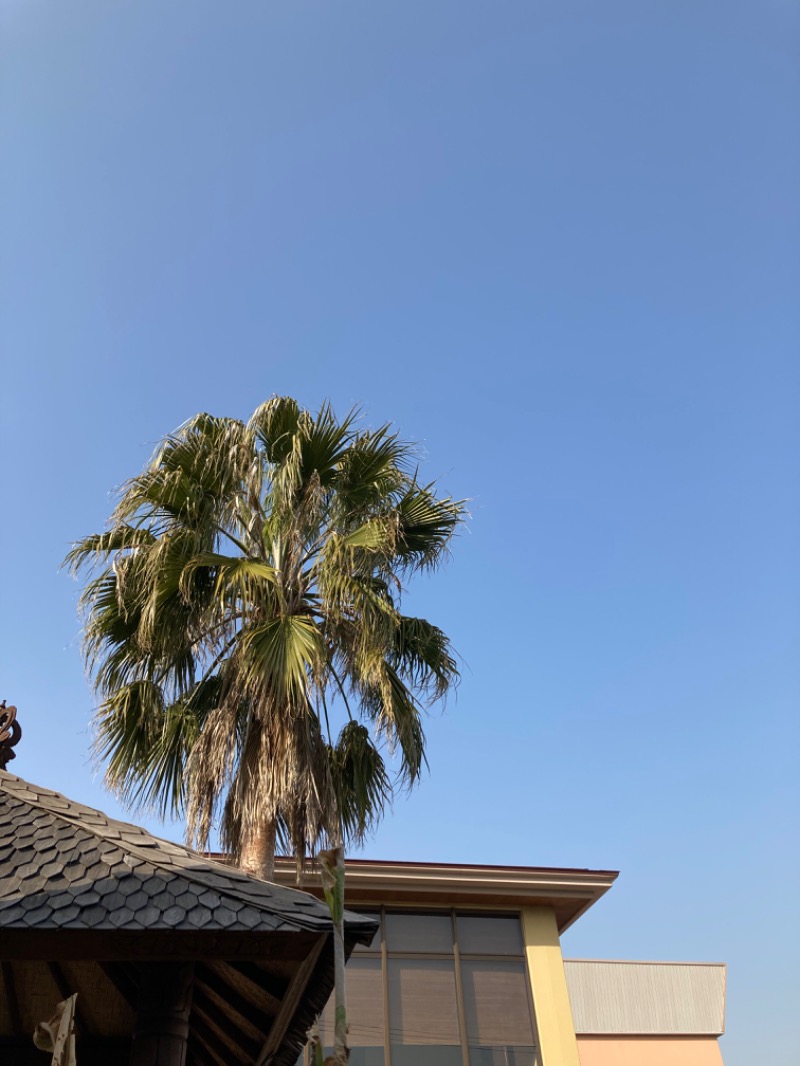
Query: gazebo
[{"x": 177, "y": 960}]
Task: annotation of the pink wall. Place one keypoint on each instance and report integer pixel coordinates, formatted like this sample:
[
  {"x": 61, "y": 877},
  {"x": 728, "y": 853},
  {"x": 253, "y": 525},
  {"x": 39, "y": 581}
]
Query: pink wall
[{"x": 649, "y": 1051}]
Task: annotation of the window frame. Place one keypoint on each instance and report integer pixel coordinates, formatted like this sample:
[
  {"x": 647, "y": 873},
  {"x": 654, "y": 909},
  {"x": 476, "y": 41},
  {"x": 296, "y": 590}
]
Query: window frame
[{"x": 382, "y": 952}]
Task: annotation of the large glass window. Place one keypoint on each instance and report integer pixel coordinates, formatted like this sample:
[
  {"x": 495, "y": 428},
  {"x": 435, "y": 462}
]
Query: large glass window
[
  {"x": 439, "y": 989},
  {"x": 480, "y": 935},
  {"x": 427, "y": 933},
  {"x": 496, "y": 1012},
  {"x": 423, "y": 1012},
  {"x": 365, "y": 1014}
]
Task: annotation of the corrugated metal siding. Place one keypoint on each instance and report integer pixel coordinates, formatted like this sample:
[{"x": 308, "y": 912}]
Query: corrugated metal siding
[{"x": 653, "y": 998}]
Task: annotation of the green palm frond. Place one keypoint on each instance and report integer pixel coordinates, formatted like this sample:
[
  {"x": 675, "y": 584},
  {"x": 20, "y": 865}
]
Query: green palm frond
[
  {"x": 127, "y": 725},
  {"x": 376, "y": 466},
  {"x": 362, "y": 783},
  {"x": 423, "y": 657},
  {"x": 281, "y": 656},
  {"x": 392, "y": 707},
  {"x": 236, "y": 579},
  {"x": 98, "y": 547},
  {"x": 426, "y": 526},
  {"x": 323, "y": 443},
  {"x": 275, "y": 426}
]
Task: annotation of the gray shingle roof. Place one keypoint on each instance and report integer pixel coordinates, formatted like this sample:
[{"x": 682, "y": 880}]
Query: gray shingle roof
[{"x": 67, "y": 866}]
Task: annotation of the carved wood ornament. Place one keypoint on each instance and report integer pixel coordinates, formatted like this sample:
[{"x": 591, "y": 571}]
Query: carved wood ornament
[{"x": 10, "y": 734}]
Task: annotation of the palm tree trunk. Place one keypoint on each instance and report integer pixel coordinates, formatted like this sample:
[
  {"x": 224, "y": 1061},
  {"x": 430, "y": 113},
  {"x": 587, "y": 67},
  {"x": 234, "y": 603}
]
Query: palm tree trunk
[
  {"x": 258, "y": 851},
  {"x": 332, "y": 868}
]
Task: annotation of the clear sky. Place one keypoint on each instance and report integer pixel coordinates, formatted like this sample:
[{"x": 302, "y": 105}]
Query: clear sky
[{"x": 558, "y": 243}]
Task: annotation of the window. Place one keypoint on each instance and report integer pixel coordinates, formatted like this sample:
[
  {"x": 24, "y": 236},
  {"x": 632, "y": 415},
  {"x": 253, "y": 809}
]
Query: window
[
  {"x": 423, "y": 1012},
  {"x": 439, "y": 989}
]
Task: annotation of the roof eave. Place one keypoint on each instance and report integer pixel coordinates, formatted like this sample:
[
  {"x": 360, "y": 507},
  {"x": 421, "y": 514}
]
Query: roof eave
[{"x": 569, "y": 892}]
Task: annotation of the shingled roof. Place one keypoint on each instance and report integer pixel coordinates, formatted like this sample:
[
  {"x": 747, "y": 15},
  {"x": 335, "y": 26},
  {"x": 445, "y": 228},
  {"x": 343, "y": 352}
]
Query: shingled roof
[
  {"x": 68, "y": 866},
  {"x": 77, "y": 885}
]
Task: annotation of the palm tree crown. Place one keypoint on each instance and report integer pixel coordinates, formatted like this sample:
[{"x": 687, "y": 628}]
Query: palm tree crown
[{"x": 244, "y": 602}]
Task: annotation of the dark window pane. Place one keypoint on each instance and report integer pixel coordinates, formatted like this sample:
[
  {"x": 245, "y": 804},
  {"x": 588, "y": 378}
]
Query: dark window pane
[
  {"x": 496, "y": 1003},
  {"x": 489, "y": 936},
  {"x": 430, "y": 933},
  {"x": 422, "y": 1002},
  {"x": 420, "y": 1055}
]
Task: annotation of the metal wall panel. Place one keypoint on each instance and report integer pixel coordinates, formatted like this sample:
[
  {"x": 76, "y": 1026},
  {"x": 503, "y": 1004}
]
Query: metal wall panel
[{"x": 653, "y": 998}]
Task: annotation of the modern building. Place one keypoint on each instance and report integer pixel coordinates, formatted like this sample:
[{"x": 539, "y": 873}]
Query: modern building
[{"x": 466, "y": 970}]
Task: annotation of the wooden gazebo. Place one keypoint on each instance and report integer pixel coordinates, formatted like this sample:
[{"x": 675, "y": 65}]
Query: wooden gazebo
[{"x": 177, "y": 960}]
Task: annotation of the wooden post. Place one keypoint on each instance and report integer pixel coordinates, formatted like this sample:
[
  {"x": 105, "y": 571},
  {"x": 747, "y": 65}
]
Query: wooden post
[{"x": 161, "y": 1030}]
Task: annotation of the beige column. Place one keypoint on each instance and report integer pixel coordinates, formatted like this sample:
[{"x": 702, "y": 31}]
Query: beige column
[{"x": 557, "y": 1043}]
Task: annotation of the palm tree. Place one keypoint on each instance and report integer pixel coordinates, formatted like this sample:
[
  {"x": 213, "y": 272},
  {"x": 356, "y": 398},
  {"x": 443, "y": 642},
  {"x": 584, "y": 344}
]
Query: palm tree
[{"x": 244, "y": 602}]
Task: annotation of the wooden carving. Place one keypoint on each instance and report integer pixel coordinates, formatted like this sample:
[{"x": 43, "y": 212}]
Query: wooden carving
[{"x": 10, "y": 734}]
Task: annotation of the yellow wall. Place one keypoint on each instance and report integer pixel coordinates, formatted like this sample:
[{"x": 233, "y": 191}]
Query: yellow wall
[
  {"x": 649, "y": 1051},
  {"x": 557, "y": 1043}
]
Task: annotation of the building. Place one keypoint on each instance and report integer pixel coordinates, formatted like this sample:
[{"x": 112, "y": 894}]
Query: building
[
  {"x": 178, "y": 960},
  {"x": 466, "y": 970}
]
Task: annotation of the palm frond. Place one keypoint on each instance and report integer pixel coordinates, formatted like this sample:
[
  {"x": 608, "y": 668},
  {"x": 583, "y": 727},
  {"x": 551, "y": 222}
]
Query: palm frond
[
  {"x": 275, "y": 426},
  {"x": 127, "y": 724},
  {"x": 397, "y": 716},
  {"x": 236, "y": 580},
  {"x": 426, "y": 526},
  {"x": 423, "y": 657},
  {"x": 99, "y": 546},
  {"x": 281, "y": 656},
  {"x": 361, "y": 781}
]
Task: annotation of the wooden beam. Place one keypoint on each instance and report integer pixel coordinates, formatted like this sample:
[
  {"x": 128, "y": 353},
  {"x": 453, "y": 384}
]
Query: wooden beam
[
  {"x": 13, "y": 1001},
  {"x": 212, "y": 1056},
  {"x": 291, "y": 1002},
  {"x": 254, "y": 1021},
  {"x": 219, "y": 1047},
  {"x": 142, "y": 946},
  {"x": 65, "y": 990},
  {"x": 262, "y": 979},
  {"x": 225, "y": 1026}
]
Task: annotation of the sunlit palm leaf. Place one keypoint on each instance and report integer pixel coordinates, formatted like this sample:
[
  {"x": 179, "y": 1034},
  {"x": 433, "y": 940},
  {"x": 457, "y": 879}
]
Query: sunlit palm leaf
[{"x": 282, "y": 656}]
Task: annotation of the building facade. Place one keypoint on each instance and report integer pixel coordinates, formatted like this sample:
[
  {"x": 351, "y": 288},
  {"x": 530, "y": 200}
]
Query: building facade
[
  {"x": 466, "y": 970},
  {"x": 178, "y": 960}
]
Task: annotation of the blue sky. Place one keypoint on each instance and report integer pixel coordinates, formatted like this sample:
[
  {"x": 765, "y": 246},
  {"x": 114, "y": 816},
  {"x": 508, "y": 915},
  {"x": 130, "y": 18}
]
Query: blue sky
[{"x": 557, "y": 243}]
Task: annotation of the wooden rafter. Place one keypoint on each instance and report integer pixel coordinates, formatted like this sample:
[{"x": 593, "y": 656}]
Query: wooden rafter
[
  {"x": 290, "y": 1003},
  {"x": 262, "y": 980},
  {"x": 225, "y": 1026},
  {"x": 246, "y": 1016},
  {"x": 219, "y": 1049}
]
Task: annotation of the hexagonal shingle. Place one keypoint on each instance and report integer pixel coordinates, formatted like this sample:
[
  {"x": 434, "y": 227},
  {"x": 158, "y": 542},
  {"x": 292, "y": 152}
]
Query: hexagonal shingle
[{"x": 66, "y": 865}]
